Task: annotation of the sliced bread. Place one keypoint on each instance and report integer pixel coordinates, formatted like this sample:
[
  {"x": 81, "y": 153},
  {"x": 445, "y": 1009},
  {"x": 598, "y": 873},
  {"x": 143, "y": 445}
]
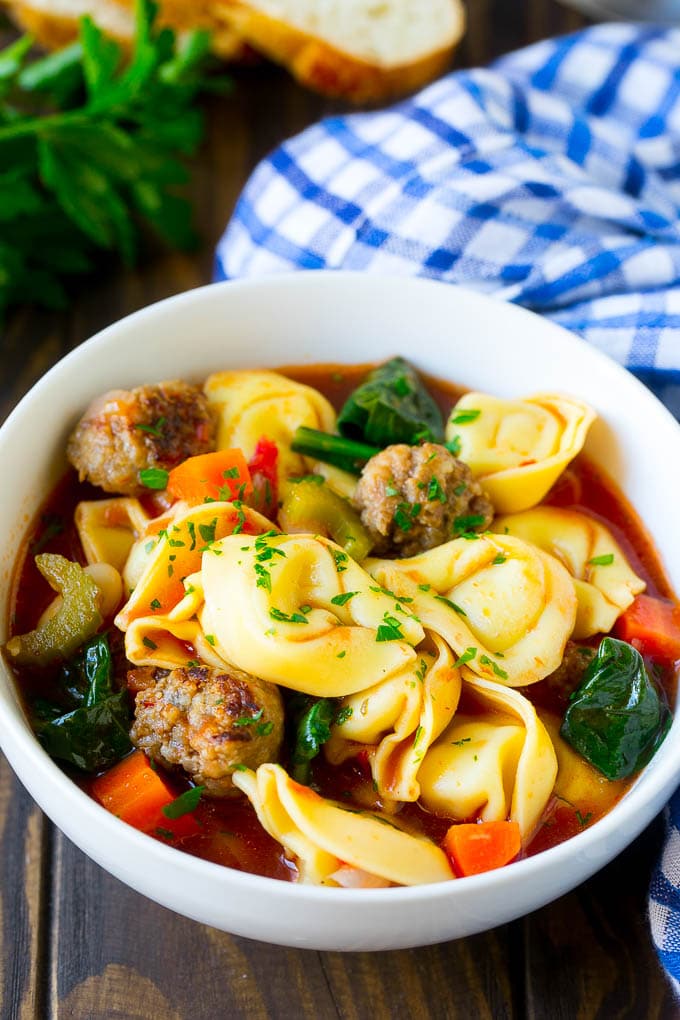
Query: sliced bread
[
  {"x": 54, "y": 23},
  {"x": 361, "y": 50}
]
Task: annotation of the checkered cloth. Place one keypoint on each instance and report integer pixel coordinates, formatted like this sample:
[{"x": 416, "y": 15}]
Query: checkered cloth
[{"x": 551, "y": 179}]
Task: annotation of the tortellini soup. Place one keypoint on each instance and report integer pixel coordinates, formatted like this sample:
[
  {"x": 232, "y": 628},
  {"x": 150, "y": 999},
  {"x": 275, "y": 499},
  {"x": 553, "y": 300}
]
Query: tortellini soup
[{"x": 343, "y": 626}]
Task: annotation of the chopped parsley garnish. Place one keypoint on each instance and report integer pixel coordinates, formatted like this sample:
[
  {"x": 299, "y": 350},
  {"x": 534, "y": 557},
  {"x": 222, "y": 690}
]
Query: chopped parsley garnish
[
  {"x": 602, "y": 561},
  {"x": 164, "y": 833},
  {"x": 422, "y": 670},
  {"x": 454, "y": 445},
  {"x": 154, "y": 478},
  {"x": 459, "y": 743},
  {"x": 341, "y": 559},
  {"x": 341, "y": 655},
  {"x": 278, "y": 614},
  {"x": 486, "y": 661},
  {"x": 583, "y": 819},
  {"x": 207, "y": 531},
  {"x": 232, "y": 472},
  {"x": 265, "y": 728},
  {"x": 452, "y": 605},
  {"x": 155, "y": 604},
  {"x": 435, "y": 491},
  {"x": 248, "y": 720},
  {"x": 463, "y": 417},
  {"x": 424, "y": 587},
  {"x": 497, "y": 560},
  {"x": 389, "y": 629},
  {"x": 154, "y": 430},
  {"x": 460, "y": 489},
  {"x": 468, "y": 522},
  {"x": 264, "y": 578},
  {"x": 191, "y": 528},
  {"x": 316, "y": 479},
  {"x": 343, "y": 714},
  {"x": 467, "y": 656},
  {"x": 149, "y": 643},
  {"x": 210, "y": 638},
  {"x": 184, "y": 804},
  {"x": 343, "y": 598},
  {"x": 405, "y": 515},
  {"x": 240, "y": 518}
]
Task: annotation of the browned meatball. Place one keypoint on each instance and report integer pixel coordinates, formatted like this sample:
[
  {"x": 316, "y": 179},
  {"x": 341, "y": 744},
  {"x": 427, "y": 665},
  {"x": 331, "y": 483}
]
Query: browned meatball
[
  {"x": 557, "y": 687},
  {"x": 207, "y": 721},
  {"x": 124, "y": 432},
  {"x": 413, "y": 498}
]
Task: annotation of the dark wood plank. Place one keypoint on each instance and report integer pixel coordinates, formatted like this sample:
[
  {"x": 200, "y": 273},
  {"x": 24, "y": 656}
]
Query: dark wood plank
[{"x": 24, "y": 895}]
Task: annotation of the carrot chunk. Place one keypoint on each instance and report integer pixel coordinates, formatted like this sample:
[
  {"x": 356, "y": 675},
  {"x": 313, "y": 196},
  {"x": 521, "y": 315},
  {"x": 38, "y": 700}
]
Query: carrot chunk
[
  {"x": 477, "y": 847},
  {"x": 222, "y": 475},
  {"x": 652, "y": 626},
  {"x": 136, "y": 793}
]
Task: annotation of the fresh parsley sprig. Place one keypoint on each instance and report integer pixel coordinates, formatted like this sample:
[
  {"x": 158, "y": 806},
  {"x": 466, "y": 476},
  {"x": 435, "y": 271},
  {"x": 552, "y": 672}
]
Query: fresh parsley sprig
[{"x": 88, "y": 151}]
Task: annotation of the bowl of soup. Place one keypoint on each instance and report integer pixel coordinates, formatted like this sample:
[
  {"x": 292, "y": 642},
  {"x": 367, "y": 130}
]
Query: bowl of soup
[{"x": 331, "y": 596}]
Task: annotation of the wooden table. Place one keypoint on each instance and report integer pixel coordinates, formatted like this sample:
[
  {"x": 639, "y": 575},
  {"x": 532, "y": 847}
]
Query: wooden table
[{"x": 77, "y": 943}]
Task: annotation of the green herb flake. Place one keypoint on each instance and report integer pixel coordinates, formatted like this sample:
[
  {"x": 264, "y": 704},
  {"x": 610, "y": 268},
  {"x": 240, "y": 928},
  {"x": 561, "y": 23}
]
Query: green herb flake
[
  {"x": 341, "y": 560},
  {"x": 454, "y": 445},
  {"x": 343, "y": 714},
  {"x": 405, "y": 515},
  {"x": 184, "y": 804},
  {"x": 389, "y": 629},
  {"x": 467, "y": 656},
  {"x": 464, "y": 417},
  {"x": 486, "y": 661},
  {"x": 149, "y": 643},
  {"x": 265, "y": 728},
  {"x": 210, "y": 638},
  {"x": 341, "y": 655},
  {"x": 468, "y": 522},
  {"x": 459, "y": 743},
  {"x": 424, "y": 587},
  {"x": 154, "y": 604},
  {"x": 497, "y": 560},
  {"x": 435, "y": 491},
  {"x": 343, "y": 598},
  {"x": 248, "y": 720},
  {"x": 153, "y": 430},
  {"x": 605, "y": 560},
  {"x": 164, "y": 833},
  {"x": 153, "y": 478},
  {"x": 583, "y": 819},
  {"x": 452, "y": 605},
  {"x": 281, "y": 617}
]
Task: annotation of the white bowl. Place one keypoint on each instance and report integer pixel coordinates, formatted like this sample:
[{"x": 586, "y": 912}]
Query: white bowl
[{"x": 322, "y": 317}]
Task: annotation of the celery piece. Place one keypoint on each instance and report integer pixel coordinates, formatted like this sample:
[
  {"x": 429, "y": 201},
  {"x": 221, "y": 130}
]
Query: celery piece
[
  {"x": 77, "y": 619},
  {"x": 310, "y": 506}
]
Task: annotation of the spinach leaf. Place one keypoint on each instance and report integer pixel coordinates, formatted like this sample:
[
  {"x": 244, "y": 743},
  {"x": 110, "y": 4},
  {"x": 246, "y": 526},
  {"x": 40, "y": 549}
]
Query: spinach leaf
[
  {"x": 616, "y": 718},
  {"x": 94, "y": 732},
  {"x": 313, "y": 730},
  {"x": 391, "y": 406}
]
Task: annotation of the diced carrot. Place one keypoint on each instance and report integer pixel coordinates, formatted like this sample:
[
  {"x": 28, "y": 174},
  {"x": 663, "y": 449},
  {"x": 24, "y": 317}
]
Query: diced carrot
[
  {"x": 264, "y": 475},
  {"x": 477, "y": 847},
  {"x": 222, "y": 475},
  {"x": 137, "y": 793},
  {"x": 652, "y": 626}
]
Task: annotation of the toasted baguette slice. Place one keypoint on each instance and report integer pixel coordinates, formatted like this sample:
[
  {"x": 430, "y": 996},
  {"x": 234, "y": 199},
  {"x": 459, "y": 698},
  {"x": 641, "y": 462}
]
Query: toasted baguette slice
[
  {"x": 54, "y": 23},
  {"x": 360, "y": 50}
]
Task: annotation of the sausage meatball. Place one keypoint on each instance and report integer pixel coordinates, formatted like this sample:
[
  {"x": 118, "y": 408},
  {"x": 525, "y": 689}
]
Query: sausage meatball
[
  {"x": 207, "y": 721},
  {"x": 568, "y": 676},
  {"x": 413, "y": 498},
  {"x": 124, "y": 432}
]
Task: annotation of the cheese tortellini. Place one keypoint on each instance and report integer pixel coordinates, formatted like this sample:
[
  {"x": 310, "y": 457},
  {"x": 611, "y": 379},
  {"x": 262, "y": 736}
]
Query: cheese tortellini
[
  {"x": 504, "y": 606},
  {"x": 324, "y": 836},
  {"x": 604, "y": 581},
  {"x": 399, "y": 718},
  {"x": 298, "y": 611},
  {"x": 254, "y": 404},
  {"x": 517, "y": 449},
  {"x": 492, "y": 764}
]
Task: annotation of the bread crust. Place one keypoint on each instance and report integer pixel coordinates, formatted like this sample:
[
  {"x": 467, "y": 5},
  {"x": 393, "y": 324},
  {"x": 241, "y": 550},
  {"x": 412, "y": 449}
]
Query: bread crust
[{"x": 329, "y": 70}]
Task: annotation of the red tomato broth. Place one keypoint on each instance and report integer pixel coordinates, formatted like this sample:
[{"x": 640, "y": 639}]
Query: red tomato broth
[{"x": 230, "y": 831}]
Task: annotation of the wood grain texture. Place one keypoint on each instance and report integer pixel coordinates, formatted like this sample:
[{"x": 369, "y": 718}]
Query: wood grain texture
[{"x": 76, "y": 943}]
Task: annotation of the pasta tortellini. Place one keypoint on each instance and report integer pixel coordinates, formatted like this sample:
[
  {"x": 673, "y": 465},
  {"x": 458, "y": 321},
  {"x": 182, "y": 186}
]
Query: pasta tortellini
[
  {"x": 504, "y": 606},
  {"x": 251, "y": 405},
  {"x": 494, "y": 765},
  {"x": 108, "y": 528},
  {"x": 298, "y": 611},
  {"x": 400, "y": 717},
  {"x": 323, "y": 836},
  {"x": 517, "y": 448},
  {"x": 605, "y": 582}
]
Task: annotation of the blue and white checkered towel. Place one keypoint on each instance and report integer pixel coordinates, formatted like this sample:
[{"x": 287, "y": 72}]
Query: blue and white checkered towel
[{"x": 551, "y": 179}]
